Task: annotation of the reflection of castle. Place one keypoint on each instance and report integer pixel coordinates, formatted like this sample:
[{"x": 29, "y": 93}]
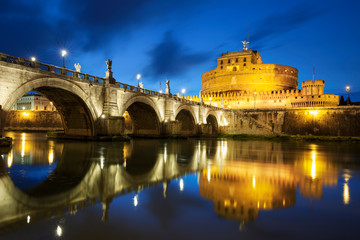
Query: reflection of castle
[
  {"x": 239, "y": 190},
  {"x": 242, "y": 80}
]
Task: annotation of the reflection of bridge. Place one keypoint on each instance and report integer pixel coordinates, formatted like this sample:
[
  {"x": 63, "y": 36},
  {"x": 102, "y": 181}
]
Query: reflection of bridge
[
  {"x": 93, "y": 106},
  {"x": 114, "y": 172}
]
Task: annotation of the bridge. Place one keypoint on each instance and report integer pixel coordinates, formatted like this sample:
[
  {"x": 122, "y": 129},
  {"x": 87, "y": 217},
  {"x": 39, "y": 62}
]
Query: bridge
[{"x": 91, "y": 106}]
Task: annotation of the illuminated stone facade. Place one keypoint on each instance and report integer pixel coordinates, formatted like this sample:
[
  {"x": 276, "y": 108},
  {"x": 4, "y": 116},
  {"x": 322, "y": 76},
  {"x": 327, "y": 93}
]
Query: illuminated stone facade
[{"x": 242, "y": 81}]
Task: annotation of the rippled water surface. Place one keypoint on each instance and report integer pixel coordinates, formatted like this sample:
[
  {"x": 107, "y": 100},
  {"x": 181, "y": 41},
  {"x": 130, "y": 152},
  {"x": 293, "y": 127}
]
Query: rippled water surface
[{"x": 178, "y": 189}]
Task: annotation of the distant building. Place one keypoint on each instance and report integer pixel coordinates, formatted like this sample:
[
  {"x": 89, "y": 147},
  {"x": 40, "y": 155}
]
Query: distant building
[
  {"x": 242, "y": 81},
  {"x": 34, "y": 102}
]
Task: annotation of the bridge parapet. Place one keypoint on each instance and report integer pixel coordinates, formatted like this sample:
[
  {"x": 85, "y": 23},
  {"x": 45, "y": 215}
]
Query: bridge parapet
[{"x": 78, "y": 76}]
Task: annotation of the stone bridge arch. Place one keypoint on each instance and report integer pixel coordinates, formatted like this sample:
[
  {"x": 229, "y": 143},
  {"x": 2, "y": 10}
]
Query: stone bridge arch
[
  {"x": 72, "y": 102},
  {"x": 145, "y": 117},
  {"x": 186, "y": 116},
  {"x": 213, "y": 121}
]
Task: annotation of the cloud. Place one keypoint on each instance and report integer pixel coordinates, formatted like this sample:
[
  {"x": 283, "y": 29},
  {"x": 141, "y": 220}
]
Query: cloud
[
  {"x": 281, "y": 23},
  {"x": 170, "y": 58}
]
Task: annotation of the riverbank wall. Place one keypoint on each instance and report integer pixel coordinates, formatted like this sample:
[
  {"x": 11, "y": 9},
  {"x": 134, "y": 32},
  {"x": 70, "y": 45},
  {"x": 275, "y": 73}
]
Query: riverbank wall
[
  {"x": 318, "y": 121},
  {"x": 32, "y": 120}
]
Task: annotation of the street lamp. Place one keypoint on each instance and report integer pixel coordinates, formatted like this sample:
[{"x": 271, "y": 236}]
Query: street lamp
[
  {"x": 138, "y": 76},
  {"x": 183, "y": 91},
  {"x": 63, "y": 54},
  {"x": 33, "y": 59},
  {"x": 348, "y": 99}
]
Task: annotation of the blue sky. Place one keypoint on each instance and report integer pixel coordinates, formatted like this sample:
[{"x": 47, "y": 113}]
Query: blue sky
[{"x": 180, "y": 40}]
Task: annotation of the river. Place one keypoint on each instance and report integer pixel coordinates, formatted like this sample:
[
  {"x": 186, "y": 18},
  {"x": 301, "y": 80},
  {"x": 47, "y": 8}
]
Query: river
[{"x": 178, "y": 189}]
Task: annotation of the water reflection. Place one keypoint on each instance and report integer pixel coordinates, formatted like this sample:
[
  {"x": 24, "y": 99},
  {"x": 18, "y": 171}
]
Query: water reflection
[{"x": 241, "y": 179}]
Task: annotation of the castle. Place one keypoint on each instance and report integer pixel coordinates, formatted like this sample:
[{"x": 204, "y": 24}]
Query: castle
[{"x": 242, "y": 81}]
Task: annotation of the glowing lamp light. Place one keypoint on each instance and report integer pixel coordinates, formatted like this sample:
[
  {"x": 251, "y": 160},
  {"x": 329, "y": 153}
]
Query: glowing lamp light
[
  {"x": 183, "y": 90},
  {"x": 28, "y": 219},
  {"x": 138, "y": 76},
  {"x": 25, "y": 114},
  {"x": 63, "y": 53},
  {"x": 103, "y": 116},
  {"x": 314, "y": 112},
  {"x": 33, "y": 59},
  {"x": 58, "y": 231}
]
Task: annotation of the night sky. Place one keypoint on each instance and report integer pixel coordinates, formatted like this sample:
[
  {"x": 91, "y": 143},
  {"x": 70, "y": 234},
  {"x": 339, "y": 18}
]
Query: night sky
[{"x": 180, "y": 40}]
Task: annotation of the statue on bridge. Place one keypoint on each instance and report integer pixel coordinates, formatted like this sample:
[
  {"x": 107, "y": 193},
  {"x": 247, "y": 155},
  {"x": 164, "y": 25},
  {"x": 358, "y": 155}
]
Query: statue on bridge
[
  {"x": 108, "y": 63},
  {"x": 77, "y": 67},
  {"x": 167, "y": 90}
]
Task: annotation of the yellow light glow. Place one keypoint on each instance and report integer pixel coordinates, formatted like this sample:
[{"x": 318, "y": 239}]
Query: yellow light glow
[
  {"x": 313, "y": 165},
  {"x": 208, "y": 174},
  {"x": 25, "y": 114},
  {"x": 51, "y": 152},
  {"x": 10, "y": 159},
  {"x": 314, "y": 112},
  {"x": 51, "y": 156},
  {"x": 346, "y": 194},
  {"x": 258, "y": 204},
  {"x": 28, "y": 219},
  {"x": 253, "y": 181},
  {"x": 23, "y": 137},
  {"x": 284, "y": 202}
]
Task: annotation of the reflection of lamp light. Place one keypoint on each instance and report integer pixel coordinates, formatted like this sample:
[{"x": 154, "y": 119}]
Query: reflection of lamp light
[
  {"x": 58, "y": 231},
  {"x": 181, "y": 184},
  {"x": 313, "y": 165},
  {"x": 253, "y": 181},
  {"x": 346, "y": 193},
  {"x": 51, "y": 156},
  {"x": 23, "y": 136},
  {"x": 208, "y": 174},
  {"x": 10, "y": 159},
  {"x": 28, "y": 219},
  {"x": 136, "y": 200}
]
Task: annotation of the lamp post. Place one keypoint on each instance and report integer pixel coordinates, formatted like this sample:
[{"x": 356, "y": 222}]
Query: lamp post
[
  {"x": 348, "y": 99},
  {"x": 63, "y": 54},
  {"x": 183, "y": 91},
  {"x": 138, "y": 76}
]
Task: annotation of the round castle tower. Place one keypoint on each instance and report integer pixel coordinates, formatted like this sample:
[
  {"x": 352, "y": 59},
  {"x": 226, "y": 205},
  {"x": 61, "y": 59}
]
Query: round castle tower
[{"x": 244, "y": 70}]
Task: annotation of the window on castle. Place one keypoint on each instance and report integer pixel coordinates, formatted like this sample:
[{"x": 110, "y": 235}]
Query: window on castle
[
  {"x": 37, "y": 108},
  {"x": 234, "y": 69},
  {"x": 253, "y": 68},
  {"x": 221, "y": 67},
  {"x": 312, "y": 96},
  {"x": 44, "y": 108},
  {"x": 236, "y": 60},
  {"x": 221, "y": 62},
  {"x": 244, "y": 59},
  {"x": 244, "y": 64},
  {"x": 229, "y": 61},
  {"x": 319, "y": 96}
]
